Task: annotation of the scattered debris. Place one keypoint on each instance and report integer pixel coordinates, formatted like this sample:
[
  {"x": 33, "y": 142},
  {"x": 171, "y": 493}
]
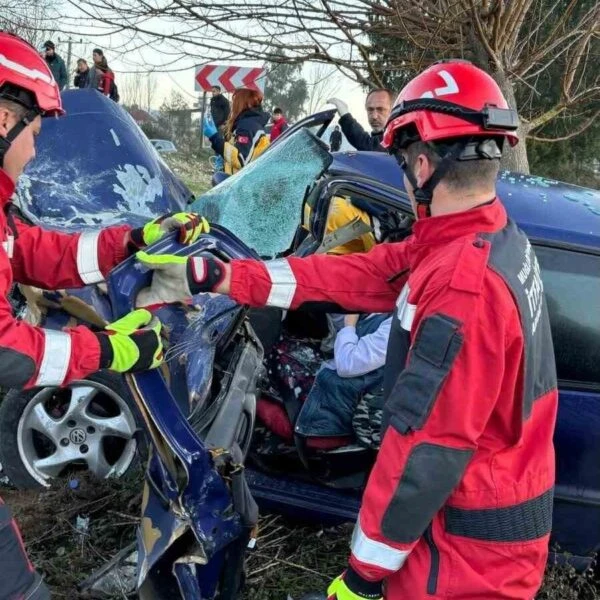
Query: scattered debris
[{"x": 72, "y": 530}]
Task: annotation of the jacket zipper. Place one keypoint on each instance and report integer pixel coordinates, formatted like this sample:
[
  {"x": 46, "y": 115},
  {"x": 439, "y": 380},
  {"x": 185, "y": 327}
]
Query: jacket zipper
[{"x": 434, "y": 569}]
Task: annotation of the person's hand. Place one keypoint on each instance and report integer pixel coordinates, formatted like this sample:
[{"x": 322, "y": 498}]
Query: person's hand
[
  {"x": 189, "y": 225},
  {"x": 208, "y": 127},
  {"x": 132, "y": 343},
  {"x": 341, "y": 106},
  {"x": 178, "y": 278},
  {"x": 391, "y": 226},
  {"x": 350, "y": 320},
  {"x": 351, "y": 586}
]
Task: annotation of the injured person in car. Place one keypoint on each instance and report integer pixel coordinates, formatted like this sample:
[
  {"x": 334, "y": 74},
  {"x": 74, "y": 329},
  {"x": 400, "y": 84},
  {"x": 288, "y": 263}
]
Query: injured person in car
[
  {"x": 354, "y": 376},
  {"x": 339, "y": 402}
]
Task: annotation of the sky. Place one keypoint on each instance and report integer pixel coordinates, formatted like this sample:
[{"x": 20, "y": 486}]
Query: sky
[{"x": 180, "y": 76}]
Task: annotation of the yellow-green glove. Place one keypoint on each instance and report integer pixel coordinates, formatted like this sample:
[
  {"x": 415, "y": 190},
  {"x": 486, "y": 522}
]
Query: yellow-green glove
[
  {"x": 131, "y": 344},
  {"x": 351, "y": 586},
  {"x": 178, "y": 278},
  {"x": 189, "y": 225}
]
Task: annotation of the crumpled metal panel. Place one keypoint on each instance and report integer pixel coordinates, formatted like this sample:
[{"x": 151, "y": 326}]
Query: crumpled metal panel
[
  {"x": 261, "y": 204},
  {"x": 185, "y": 492},
  {"x": 95, "y": 167}
]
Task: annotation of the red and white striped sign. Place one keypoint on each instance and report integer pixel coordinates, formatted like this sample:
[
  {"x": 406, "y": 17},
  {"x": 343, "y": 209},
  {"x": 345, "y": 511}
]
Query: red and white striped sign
[{"x": 229, "y": 78}]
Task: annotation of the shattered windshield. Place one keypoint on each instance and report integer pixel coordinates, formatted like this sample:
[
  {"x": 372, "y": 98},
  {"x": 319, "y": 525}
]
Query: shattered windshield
[{"x": 262, "y": 203}]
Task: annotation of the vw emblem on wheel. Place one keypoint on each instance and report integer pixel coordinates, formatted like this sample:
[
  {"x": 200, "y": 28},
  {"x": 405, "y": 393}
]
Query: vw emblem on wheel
[{"x": 77, "y": 436}]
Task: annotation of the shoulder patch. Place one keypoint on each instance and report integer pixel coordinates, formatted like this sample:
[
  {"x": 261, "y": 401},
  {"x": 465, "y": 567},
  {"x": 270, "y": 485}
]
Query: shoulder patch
[
  {"x": 471, "y": 265},
  {"x": 243, "y": 139}
]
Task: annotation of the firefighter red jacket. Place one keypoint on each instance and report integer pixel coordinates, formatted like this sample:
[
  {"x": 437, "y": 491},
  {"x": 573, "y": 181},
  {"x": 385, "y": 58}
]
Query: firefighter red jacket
[
  {"x": 459, "y": 501},
  {"x": 31, "y": 356}
]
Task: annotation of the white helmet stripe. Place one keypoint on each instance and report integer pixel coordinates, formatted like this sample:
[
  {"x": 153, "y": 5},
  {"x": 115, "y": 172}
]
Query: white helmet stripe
[{"x": 22, "y": 70}]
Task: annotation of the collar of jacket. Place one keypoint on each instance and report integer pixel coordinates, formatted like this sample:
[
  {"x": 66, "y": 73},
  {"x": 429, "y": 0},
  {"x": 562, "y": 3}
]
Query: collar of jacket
[
  {"x": 7, "y": 188},
  {"x": 445, "y": 228},
  {"x": 252, "y": 113}
]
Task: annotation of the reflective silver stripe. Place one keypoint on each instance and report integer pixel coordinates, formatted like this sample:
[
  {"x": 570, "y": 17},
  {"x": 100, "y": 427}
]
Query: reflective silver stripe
[
  {"x": 375, "y": 553},
  {"x": 57, "y": 355},
  {"x": 408, "y": 314},
  {"x": 23, "y": 70},
  {"x": 283, "y": 283},
  {"x": 404, "y": 310},
  {"x": 87, "y": 257},
  {"x": 9, "y": 246}
]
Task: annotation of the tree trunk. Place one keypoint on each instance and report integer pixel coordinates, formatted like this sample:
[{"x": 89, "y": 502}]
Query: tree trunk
[{"x": 513, "y": 159}]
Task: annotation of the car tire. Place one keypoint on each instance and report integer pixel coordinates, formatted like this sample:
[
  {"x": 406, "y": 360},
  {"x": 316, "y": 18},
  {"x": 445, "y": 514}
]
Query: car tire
[{"x": 19, "y": 445}]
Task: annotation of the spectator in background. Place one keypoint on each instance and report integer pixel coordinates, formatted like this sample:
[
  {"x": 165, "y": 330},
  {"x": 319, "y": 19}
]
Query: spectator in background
[
  {"x": 56, "y": 64},
  {"x": 335, "y": 139},
  {"x": 82, "y": 74},
  {"x": 101, "y": 76},
  {"x": 107, "y": 77},
  {"x": 379, "y": 105},
  {"x": 219, "y": 107},
  {"x": 95, "y": 74},
  {"x": 279, "y": 124}
]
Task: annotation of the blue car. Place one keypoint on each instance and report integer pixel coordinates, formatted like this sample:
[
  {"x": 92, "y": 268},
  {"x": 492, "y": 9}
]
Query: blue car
[{"x": 198, "y": 413}]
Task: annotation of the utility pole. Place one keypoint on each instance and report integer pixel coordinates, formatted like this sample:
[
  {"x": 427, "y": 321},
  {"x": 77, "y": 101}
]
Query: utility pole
[
  {"x": 70, "y": 43},
  {"x": 202, "y": 114}
]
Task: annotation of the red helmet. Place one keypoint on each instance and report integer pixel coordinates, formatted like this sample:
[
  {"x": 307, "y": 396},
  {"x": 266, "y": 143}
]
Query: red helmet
[
  {"x": 26, "y": 78},
  {"x": 449, "y": 100}
]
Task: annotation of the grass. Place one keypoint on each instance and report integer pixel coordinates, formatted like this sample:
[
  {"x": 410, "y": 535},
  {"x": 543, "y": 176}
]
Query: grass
[
  {"x": 194, "y": 169},
  {"x": 290, "y": 558}
]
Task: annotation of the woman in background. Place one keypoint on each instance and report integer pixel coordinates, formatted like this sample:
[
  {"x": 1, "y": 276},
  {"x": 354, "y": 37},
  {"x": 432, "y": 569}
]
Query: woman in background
[{"x": 244, "y": 137}]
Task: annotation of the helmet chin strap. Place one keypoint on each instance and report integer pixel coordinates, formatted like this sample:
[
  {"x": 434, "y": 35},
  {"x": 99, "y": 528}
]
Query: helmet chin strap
[
  {"x": 6, "y": 141},
  {"x": 424, "y": 193}
]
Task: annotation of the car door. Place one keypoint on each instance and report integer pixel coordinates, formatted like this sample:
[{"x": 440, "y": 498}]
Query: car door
[
  {"x": 317, "y": 124},
  {"x": 369, "y": 195},
  {"x": 571, "y": 279}
]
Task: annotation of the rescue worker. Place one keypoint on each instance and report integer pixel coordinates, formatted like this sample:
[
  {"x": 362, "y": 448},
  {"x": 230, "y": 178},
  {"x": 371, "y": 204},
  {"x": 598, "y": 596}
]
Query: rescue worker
[
  {"x": 459, "y": 502},
  {"x": 378, "y": 106},
  {"x": 244, "y": 137},
  {"x": 31, "y": 356}
]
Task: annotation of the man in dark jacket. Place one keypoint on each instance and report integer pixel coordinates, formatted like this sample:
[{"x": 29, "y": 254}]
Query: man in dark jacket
[
  {"x": 335, "y": 139},
  {"x": 379, "y": 105},
  {"x": 56, "y": 64},
  {"x": 219, "y": 107}
]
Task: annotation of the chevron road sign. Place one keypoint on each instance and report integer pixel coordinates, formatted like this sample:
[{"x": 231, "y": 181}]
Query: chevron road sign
[{"x": 229, "y": 78}]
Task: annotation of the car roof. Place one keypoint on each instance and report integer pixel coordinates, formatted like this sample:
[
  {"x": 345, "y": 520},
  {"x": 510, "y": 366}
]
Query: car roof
[{"x": 544, "y": 208}]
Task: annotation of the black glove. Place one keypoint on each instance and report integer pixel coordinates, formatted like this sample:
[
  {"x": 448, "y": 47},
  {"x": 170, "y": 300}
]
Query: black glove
[{"x": 391, "y": 226}]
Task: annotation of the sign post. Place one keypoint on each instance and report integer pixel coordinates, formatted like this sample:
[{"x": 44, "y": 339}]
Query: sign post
[{"x": 229, "y": 78}]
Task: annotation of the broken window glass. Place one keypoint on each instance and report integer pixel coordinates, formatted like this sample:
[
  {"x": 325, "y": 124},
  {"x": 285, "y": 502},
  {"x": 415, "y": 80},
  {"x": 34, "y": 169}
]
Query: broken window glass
[{"x": 261, "y": 204}]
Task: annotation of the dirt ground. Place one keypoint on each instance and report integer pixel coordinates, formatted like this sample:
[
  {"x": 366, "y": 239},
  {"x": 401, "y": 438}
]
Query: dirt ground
[{"x": 290, "y": 558}]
